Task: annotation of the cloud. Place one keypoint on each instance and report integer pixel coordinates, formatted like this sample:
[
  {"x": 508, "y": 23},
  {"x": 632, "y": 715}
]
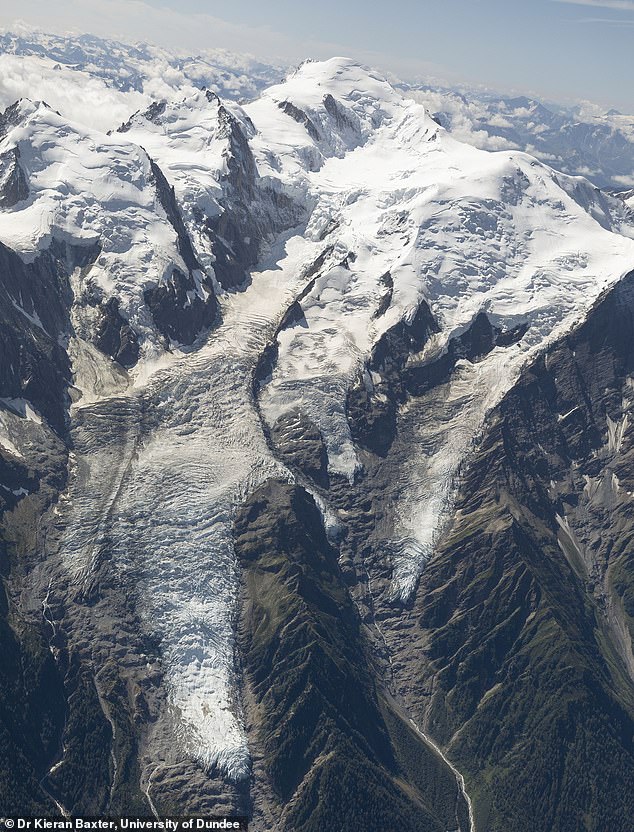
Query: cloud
[
  {"x": 77, "y": 95},
  {"x": 620, "y": 5},
  {"x": 626, "y": 181},
  {"x": 497, "y": 120},
  {"x": 606, "y": 21}
]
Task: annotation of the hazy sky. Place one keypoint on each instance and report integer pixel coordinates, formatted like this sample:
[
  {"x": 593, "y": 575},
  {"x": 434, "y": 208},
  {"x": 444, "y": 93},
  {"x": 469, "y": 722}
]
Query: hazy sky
[{"x": 558, "y": 49}]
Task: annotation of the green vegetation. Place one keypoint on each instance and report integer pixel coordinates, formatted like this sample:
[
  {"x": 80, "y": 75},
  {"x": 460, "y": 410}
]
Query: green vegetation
[
  {"x": 335, "y": 756},
  {"x": 532, "y": 684},
  {"x": 31, "y": 717}
]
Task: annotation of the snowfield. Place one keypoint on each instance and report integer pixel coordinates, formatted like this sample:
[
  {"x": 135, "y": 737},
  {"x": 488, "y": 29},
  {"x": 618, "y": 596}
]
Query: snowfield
[
  {"x": 90, "y": 189},
  {"x": 386, "y": 189},
  {"x": 467, "y": 230},
  {"x": 190, "y": 139}
]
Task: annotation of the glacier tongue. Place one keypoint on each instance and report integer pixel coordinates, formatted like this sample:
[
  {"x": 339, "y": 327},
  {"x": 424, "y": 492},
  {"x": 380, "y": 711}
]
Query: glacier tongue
[{"x": 158, "y": 477}]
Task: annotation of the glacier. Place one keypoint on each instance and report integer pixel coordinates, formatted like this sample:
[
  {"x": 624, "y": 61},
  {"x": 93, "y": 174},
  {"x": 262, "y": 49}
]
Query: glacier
[{"x": 347, "y": 180}]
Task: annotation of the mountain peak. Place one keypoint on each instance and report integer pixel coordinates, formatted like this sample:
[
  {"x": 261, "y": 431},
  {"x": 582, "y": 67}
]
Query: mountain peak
[
  {"x": 324, "y": 109},
  {"x": 342, "y": 77},
  {"x": 21, "y": 110}
]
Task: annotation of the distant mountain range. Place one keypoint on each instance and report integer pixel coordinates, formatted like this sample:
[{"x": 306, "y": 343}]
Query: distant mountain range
[{"x": 72, "y": 73}]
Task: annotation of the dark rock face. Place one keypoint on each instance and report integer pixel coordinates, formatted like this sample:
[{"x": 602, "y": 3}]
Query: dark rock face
[
  {"x": 10, "y": 118},
  {"x": 13, "y": 185},
  {"x": 478, "y": 341},
  {"x": 83, "y": 778},
  {"x": 335, "y": 752},
  {"x": 373, "y": 401},
  {"x": 181, "y": 308},
  {"x": 235, "y": 250},
  {"x": 15, "y": 479},
  {"x": 34, "y": 320},
  {"x": 32, "y": 699},
  {"x": 518, "y": 651},
  {"x": 393, "y": 374},
  {"x": 115, "y": 336},
  {"x": 301, "y": 118},
  {"x": 34, "y": 315},
  {"x": 302, "y": 446},
  {"x": 179, "y": 313},
  {"x": 153, "y": 114},
  {"x": 386, "y": 299},
  {"x": 32, "y": 714},
  {"x": 252, "y": 212},
  {"x": 344, "y": 118},
  {"x": 168, "y": 201}
]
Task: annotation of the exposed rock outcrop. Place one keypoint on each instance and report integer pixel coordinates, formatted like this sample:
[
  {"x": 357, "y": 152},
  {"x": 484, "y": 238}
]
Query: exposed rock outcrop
[{"x": 334, "y": 749}]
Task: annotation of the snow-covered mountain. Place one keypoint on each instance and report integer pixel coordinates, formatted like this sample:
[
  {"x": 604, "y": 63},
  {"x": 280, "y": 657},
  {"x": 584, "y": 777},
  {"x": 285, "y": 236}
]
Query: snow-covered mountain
[
  {"x": 578, "y": 140},
  {"x": 100, "y": 82},
  {"x": 627, "y": 197},
  {"x": 282, "y": 329},
  {"x": 66, "y": 183}
]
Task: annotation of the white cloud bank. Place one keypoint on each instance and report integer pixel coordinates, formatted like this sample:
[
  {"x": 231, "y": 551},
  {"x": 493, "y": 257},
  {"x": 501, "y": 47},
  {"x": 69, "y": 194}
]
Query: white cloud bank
[
  {"x": 77, "y": 95},
  {"x": 619, "y": 5}
]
